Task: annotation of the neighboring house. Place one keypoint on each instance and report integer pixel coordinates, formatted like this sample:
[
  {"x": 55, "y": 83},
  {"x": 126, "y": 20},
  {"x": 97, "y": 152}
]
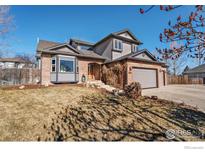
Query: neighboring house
[
  {"x": 14, "y": 63},
  {"x": 185, "y": 69},
  {"x": 196, "y": 73},
  {"x": 76, "y": 59}
]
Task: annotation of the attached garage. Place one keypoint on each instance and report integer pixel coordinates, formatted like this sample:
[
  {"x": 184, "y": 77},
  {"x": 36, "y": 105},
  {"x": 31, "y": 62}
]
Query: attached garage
[{"x": 146, "y": 77}]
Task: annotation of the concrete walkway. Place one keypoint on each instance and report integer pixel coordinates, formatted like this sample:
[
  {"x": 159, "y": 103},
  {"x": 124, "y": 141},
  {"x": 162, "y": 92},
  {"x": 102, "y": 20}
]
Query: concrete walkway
[{"x": 190, "y": 94}]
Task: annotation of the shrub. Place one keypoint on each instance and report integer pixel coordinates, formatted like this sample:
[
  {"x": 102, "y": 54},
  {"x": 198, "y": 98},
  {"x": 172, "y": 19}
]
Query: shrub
[
  {"x": 113, "y": 75},
  {"x": 133, "y": 90}
]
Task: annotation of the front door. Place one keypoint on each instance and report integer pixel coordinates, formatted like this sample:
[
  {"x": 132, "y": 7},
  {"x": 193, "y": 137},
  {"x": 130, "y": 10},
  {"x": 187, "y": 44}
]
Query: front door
[
  {"x": 90, "y": 72},
  {"x": 203, "y": 80}
]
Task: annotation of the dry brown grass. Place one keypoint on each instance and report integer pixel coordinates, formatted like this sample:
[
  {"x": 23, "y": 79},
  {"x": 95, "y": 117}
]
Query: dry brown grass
[
  {"x": 24, "y": 112},
  {"x": 106, "y": 117},
  {"x": 74, "y": 113}
]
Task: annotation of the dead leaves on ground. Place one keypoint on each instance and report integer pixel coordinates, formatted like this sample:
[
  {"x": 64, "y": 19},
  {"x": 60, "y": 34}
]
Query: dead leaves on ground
[{"x": 104, "y": 117}]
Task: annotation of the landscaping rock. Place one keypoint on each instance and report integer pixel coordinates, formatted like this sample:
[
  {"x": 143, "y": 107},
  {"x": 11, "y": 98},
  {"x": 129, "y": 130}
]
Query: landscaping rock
[
  {"x": 116, "y": 92},
  {"x": 121, "y": 92},
  {"x": 99, "y": 84},
  {"x": 21, "y": 87}
]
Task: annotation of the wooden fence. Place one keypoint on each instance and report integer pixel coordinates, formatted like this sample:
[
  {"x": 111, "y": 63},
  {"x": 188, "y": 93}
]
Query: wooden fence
[
  {"x": 183, "y": 79},
  {"x": 15, "y": 76}
]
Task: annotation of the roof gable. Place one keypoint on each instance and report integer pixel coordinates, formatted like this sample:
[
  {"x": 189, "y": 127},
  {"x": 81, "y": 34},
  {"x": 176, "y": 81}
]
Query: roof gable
[
  {"x": 63, "y": 47},
  {"x": 127, "y": 34},
  {"x": 144, "y": 54},
  {"x": 120, "y": 35}
]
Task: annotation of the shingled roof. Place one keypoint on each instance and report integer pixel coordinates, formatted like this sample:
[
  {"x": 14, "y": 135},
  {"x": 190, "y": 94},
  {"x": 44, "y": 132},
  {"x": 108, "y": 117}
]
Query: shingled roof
[
  {"x": 44, "y": 46},
  {"x": 82, "y": 42},
  {"x": 198, "y": 69}
]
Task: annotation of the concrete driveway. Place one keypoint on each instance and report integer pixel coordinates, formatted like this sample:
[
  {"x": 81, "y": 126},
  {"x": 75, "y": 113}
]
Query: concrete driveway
[{"x": 190, "y": 94}]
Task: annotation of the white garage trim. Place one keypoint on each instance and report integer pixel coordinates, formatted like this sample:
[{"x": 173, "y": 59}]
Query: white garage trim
[{"x": 147, "y": 77}]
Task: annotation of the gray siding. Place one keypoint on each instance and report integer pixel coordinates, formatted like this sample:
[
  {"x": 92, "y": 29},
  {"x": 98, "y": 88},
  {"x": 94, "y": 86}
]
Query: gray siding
[
  {"x": 104, "y": 48},
  {"x": 196, "y": 75},
  {"x": 53, "y": 77},
  {"x": 127, "y": 48},
  {"x": 66, "y": 77}
]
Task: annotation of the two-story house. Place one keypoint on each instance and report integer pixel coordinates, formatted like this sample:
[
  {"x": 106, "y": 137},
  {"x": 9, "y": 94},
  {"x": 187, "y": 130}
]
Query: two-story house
[{"x": 76, "y": 59}]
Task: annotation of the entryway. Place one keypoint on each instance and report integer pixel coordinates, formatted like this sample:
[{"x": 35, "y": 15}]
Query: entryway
[{"x": 93, "y": 71}]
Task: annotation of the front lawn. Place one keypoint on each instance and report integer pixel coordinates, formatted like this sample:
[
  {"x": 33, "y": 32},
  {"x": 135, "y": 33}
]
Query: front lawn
[
  {"x": 24, "y": 112},
  {"x": 73, "y": 113},
  {"x": 105, "y": 117}
]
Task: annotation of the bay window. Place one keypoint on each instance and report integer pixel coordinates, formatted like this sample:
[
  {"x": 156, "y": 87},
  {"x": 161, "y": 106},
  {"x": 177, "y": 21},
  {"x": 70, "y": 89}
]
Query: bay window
[
  {"x": 53, "y": 64},
  {"x": 66, "y": 65}
]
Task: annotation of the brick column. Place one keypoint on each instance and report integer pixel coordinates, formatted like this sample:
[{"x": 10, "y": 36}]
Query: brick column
[{"x": 45, "y": 69}]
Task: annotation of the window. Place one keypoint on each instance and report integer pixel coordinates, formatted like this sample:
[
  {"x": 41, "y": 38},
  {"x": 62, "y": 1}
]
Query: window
[
  {"x": 134, "y": 48},
  {"x": 66, "y": 66},
  {"x": 83, "y": 47},
  {"x": 118, "y": 45},
  {"x": 53, "y": 64}
]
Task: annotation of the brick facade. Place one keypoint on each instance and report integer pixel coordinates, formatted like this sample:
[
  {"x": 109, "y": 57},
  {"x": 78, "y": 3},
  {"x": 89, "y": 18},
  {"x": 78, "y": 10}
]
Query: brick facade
[
  {"x": 83, "y": 66},
  {"x": 83, "y": 69},
  {"x": 45, "y": 69}
]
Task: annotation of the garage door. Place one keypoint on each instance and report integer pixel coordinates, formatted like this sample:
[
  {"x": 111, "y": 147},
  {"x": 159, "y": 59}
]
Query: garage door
[{"x": 146, "y": 77}]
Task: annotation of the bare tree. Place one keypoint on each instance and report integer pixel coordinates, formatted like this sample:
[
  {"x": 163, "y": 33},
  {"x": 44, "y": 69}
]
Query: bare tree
[
  {"x": 26, "y": 57},
  {"x": 188, "y": 30},
  {"x": 174, "y": 64},
  {"x": 5, "y": 26}
]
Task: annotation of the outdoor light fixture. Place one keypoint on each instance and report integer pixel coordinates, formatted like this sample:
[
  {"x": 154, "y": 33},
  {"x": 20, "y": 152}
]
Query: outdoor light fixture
[{"x": 83, "y": 78}]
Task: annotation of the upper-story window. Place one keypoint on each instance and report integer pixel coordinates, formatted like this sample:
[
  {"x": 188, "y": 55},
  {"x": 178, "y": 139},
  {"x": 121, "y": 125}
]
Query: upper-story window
[
  {"x": 118, "y": 45},
  {"x": 53, "y": 64},
  {"x": 83, "y": 47},
  {"x": 134, "y": 48}
]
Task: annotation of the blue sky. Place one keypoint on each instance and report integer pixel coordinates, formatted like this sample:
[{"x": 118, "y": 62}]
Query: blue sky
[{"x": 91, "y": 23}]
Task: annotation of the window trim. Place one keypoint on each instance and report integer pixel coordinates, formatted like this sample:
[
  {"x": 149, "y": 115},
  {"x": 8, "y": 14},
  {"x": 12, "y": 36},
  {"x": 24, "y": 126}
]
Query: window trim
[
  {"x": 59, "y": 70},
  {"x": 134, "y": 48},
  {"x": 53, "y": 58},
  {"x": 116, "y": 41}
]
